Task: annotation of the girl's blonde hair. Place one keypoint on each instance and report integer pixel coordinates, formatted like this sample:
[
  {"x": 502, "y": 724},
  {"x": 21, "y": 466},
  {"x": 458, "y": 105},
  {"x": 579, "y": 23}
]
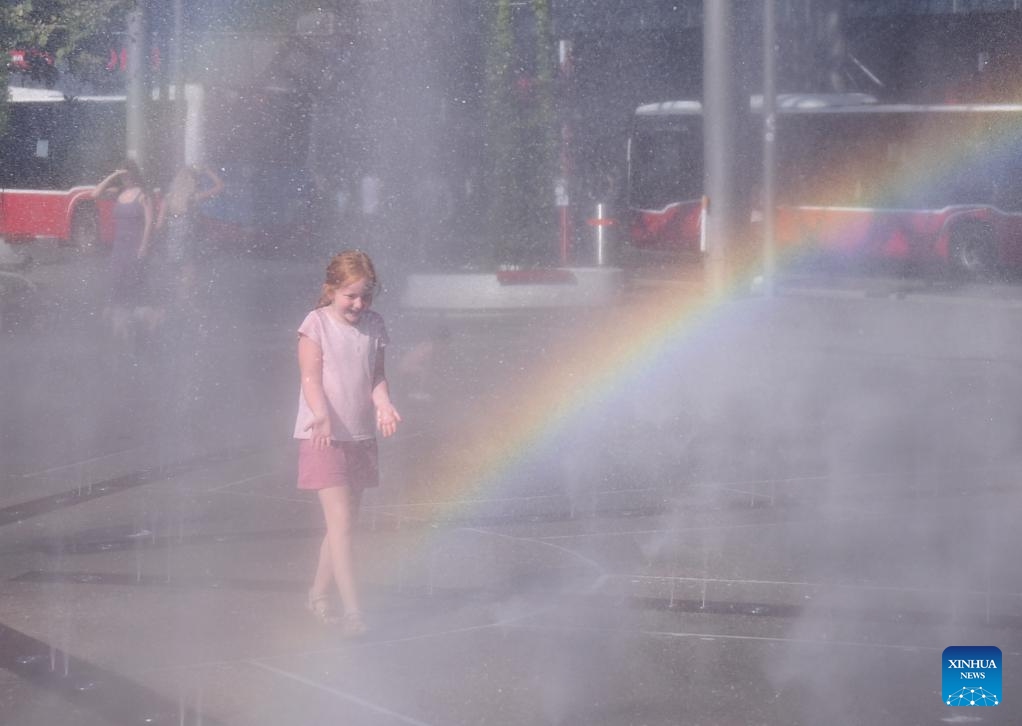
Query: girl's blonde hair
[
  {"x": 182, "y": 189},
  {"x": 344, "y": 269}
]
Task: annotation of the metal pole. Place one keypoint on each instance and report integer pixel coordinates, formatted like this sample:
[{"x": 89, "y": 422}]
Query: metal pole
[
  {"x": 563, "y": 191},
  {"x": 720, "y": 116},
  {"x": 138, "y": 52},
  {"x": 178, "y": 58},
  {"x": 768, "y": 202},
  {"x": 177, "y": 80}
]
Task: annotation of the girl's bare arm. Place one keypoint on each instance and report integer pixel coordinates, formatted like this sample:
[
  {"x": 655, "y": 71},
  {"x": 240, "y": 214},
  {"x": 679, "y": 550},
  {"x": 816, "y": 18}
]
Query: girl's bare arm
[
  {"x": 387, "y": 417},
  {"x": 218, "y": 185},
  {"x": 105, "y": 184},
  {"x": 161, "y": 216},
  {"x": 147, "y": 208},
  {"x": 310, "y": 365}
]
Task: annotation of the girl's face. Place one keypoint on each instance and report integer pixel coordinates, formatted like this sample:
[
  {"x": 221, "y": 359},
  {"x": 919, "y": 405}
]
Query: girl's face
[{"x": 350, "y": 301}]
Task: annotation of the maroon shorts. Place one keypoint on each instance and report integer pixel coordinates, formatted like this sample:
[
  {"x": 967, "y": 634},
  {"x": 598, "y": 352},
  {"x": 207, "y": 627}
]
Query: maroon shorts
[{"x": 342, "y": 464}]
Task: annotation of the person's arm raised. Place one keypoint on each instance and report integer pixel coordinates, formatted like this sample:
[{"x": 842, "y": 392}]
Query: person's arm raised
[
  {"x": 147, "y": 229},
  {"x": 105, "y": 184},
  {"x": 212, "y": 191}
]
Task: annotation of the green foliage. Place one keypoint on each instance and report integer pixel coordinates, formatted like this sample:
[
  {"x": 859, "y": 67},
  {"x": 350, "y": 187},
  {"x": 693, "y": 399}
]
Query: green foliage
[
  {"x": 3, "y": 103},
  {"x": 75, "y": 34},
  {"x": 520, "y": 130}
]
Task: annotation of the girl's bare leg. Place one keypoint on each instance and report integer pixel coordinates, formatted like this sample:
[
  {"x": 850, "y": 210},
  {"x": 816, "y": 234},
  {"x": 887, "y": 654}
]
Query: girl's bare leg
[
  {"x": 324, "y": 571},
  {"x": 340, "y": 508}
]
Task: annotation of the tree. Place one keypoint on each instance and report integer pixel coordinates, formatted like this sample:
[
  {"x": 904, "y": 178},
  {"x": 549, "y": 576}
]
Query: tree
[
  {"x": 521, "y": 130},
  {"x": 56, "y": 34}
]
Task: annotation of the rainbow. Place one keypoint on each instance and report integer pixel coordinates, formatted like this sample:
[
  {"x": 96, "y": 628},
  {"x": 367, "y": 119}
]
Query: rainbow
[
  {"x": 987, "y": 134},
  {"x": 549, "y": 405},
  {"x": 638, "y": 345}
]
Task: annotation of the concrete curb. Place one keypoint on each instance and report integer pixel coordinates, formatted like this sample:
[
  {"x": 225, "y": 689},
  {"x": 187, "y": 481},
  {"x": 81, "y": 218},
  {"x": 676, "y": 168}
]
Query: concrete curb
[{"x": 570, "y": 287}]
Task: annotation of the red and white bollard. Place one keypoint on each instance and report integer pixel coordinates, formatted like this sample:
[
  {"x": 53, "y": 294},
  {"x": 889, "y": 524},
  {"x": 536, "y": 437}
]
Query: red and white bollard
[{"x": 601, "y": 223}]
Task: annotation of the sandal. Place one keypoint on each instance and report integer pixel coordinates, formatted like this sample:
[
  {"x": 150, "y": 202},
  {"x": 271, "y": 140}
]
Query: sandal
[
  {"x": 319, "y": 605},
  {"x": 352, "y": 625}
]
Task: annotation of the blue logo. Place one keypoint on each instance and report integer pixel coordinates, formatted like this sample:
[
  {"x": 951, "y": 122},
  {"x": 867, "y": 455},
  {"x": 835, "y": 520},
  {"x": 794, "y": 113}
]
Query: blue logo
[{"x": 972, "y": 675}]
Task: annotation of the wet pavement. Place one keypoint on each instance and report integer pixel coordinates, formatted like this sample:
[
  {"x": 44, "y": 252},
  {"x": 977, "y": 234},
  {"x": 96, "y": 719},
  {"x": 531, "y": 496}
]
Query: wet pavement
[{"x": 665, "y": 511}]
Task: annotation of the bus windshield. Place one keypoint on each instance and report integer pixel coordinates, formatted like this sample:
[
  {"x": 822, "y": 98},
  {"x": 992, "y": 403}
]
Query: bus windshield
[
  {"x": 59, "y": 144},
  {"x": 665, "y": 161}
]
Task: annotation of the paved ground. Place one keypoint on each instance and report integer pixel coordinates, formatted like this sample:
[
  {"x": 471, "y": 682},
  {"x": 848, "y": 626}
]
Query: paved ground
[{"x": 667, "y": 511}]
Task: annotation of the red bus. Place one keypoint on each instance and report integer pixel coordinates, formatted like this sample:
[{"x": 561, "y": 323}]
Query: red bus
[
  {"x": 55, "y": 149},
  {"x": 52, "y": 152},
  {"x": 665, "y": 177},
  {"x": 930, "y": 185}
]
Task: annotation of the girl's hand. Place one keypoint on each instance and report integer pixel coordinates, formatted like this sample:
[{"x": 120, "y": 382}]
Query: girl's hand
[
  {"x": 321, "y": 432},
  {"x": 387, "y": 419}
]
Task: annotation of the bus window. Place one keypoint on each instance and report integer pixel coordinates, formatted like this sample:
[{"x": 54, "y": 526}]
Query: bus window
[
  {"x": 883, "y": 179},
  {"x": 667, "y": 164},
  {"x": 1008, "y": 181}
]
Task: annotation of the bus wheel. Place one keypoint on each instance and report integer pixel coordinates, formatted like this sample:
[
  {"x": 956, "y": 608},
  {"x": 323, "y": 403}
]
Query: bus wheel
[
  {"x": 85, "y": 228},
  {"x": 972, "y": 250}
]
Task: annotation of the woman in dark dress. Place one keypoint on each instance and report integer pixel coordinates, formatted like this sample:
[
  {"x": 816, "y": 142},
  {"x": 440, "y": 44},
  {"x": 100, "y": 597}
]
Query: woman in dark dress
[{"x": 133, "y": 223}]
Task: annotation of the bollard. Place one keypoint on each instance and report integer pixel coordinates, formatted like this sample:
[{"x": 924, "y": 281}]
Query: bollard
[{"x": 601, "y": 223}]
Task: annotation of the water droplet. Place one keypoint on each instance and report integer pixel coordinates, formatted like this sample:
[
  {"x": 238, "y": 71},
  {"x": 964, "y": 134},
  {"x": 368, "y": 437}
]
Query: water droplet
[{"x": 29, "y": 659}]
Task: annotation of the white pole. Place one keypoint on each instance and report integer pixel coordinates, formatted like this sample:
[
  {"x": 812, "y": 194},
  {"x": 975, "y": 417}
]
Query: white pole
[
  {"x": 769, "y": 200},
  {"x": 194, "y": 141},
  {"x": 138, "y": 52}
]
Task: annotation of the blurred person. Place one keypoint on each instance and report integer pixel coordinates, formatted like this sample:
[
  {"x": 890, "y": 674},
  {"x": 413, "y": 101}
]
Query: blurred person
[
  {"x": 344, "y": 399},
  {"x": 371, "y": 195},
  {"x": 178, "y": 216},
  {"x": 369, "y": 219},
  {"x": 434, "y": 206},
  {"x": 418, "y": 365},
  {"x": 133, "y": 225}
]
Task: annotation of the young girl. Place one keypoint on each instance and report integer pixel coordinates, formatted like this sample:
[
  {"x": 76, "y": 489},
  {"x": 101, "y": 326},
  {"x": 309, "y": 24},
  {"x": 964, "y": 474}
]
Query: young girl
[
  {"x": 344, "y": 399},
  {"x": 178, "y": 215},
  {"x": 133, "y": 222}
]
